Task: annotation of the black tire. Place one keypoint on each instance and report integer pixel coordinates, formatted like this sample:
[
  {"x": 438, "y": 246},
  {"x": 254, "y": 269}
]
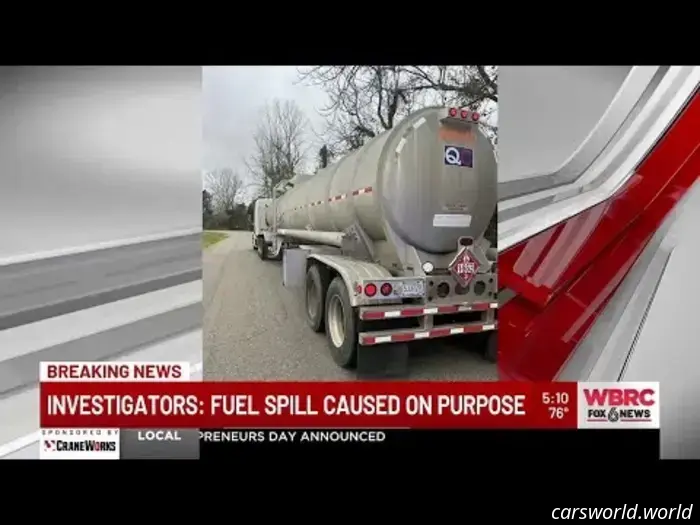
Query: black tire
[
  {"x": 345, "y": 355},
  {"x": 317, "y": 279},
  {"x": 262, "y": 248},
  {"x": 279, "y": 255},
  {"x": 491, "y": 347}
]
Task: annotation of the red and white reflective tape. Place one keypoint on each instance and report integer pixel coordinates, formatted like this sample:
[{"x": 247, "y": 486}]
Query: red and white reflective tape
[
  {"x": 372, "y": 315},
  {"x": 341, "y": 197},
  {"x": 362, "y": 191},
  {"x": 366, "y": 339}
]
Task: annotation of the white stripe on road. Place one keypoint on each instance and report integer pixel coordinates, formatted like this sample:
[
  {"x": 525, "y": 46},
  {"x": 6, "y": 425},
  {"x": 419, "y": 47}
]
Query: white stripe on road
[
  {"x": 18, "y": 259},
  {"x": 33, "y": 337},
  {"x": 19, "y": 443}
]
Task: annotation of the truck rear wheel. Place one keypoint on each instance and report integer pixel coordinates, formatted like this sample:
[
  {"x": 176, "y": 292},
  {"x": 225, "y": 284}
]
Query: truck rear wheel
[
  {"x": 341, "y": 325},
  {"x": 279, "y": 256},
  {"x": 491, "y": 347},
  {"x": 315, "y": 296},
  {"x": 262, "y": 248}
]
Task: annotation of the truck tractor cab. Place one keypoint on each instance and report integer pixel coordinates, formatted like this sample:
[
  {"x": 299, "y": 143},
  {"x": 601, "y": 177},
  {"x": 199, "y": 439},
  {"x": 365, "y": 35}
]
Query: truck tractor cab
[{"x": 260, "y": 224}]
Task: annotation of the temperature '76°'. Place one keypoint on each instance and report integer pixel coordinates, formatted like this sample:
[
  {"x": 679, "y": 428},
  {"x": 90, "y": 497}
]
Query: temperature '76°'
[{"x": 557, "y": 412}]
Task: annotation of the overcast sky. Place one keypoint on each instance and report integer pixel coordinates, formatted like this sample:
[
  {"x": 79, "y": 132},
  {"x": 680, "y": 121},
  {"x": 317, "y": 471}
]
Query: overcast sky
[{"x": 233, "y": 98}]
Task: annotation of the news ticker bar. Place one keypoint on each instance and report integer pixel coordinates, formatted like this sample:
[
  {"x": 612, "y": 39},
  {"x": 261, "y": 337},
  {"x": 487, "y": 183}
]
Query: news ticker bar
[
  {"x": 430, "y": 405},
  {"x": 238, "y": 444}
]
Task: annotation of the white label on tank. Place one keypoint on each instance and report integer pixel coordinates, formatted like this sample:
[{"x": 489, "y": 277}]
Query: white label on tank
[
  {"x": 419, "y": 123},
  {"x": 402, "y": 143},
  {"x": 452, "y": 221}
]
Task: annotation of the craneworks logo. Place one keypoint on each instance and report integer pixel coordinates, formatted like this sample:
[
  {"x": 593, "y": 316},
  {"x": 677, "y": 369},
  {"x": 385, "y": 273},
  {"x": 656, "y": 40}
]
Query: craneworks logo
[
  {"x": 79, "y": 444},
  {"x": 630, "y": 405},
  {"x": 85, "y": 445}
]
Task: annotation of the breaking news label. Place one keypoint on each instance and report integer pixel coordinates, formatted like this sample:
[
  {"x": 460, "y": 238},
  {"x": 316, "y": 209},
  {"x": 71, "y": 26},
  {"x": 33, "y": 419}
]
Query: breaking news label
[
  {"x": 147, "y": 410},
  {"x": 87, "y": 442}
]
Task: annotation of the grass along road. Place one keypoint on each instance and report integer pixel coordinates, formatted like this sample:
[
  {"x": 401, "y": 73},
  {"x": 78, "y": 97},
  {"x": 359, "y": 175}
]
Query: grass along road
[{"x": 210, "y": 238}]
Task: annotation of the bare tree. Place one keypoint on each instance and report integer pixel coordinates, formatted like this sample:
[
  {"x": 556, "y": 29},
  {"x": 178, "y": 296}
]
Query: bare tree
[
  {"x": 280, "y": 146},
  {"x": 367, "y": 100},
  {"x": 224, "y": 186}
]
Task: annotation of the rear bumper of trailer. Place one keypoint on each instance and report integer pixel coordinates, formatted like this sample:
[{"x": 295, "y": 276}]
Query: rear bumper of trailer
[
  {"x": 428, "y": 329},
  {"x": 404, "y": 336},
  {"x": 369, "y": 313}
]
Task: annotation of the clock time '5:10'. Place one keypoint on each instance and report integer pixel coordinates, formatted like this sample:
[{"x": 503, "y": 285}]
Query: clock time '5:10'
[{"x": 555, "y": 398}]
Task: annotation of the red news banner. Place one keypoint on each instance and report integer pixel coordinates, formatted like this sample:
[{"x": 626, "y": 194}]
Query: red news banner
[{"x": 152, "y": 395}]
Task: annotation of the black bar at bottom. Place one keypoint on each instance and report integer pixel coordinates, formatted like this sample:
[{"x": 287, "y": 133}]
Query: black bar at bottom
[{"x": 565, "y": 445}]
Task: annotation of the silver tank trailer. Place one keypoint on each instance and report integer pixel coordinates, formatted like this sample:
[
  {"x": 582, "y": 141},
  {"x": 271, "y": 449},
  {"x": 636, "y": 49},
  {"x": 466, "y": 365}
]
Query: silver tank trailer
[{"x": 409, "y": 180}]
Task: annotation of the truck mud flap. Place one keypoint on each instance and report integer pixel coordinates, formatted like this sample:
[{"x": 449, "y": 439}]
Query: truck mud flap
[{"x": 382, "y": 361}]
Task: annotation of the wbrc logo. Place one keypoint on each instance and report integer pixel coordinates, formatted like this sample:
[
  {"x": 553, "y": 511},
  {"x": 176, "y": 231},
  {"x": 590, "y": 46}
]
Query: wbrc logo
[
  {"x": 79, "y": 444},
  {"x": 619, "y": 405}
]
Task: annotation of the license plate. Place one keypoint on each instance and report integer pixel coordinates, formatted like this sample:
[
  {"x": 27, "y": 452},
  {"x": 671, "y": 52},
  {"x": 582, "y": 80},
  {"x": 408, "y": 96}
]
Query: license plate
[{"x": 411, "y": 289}]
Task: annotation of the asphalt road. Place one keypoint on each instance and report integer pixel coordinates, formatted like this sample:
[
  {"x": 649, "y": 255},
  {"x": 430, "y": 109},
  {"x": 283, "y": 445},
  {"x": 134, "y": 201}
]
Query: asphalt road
[
  {"x": 255, "y": 329},
  {"x": 140, "y": 301},
  {"x": 95, "y": 304},
  {"x": 40, "y": 289}
]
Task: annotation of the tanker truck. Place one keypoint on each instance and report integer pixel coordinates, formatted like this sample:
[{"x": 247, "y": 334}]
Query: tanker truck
[{"x": 388, "y": 243}]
